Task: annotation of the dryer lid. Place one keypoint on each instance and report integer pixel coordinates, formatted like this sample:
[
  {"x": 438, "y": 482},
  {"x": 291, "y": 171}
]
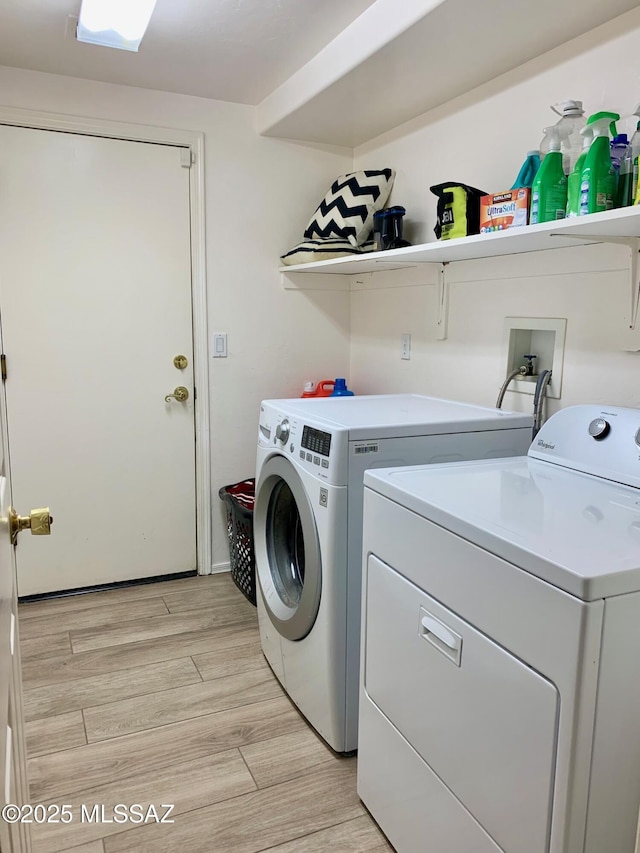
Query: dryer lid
[{"x": 576, "y": 531}]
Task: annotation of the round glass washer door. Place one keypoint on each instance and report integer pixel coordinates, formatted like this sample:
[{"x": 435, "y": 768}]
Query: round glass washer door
[{"x": 287, "y": 550}]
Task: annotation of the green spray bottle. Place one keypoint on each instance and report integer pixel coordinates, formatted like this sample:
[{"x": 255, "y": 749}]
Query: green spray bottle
[
  {"x": 573, "y": 184},
  {"x": 549, "y": 189},
  {"x": 598, "y": 182}
]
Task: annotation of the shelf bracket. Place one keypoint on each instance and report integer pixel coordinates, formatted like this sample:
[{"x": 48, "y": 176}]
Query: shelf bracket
[
  {"x": 443, "y": 303},
  {"x": 633, "y": 245}
]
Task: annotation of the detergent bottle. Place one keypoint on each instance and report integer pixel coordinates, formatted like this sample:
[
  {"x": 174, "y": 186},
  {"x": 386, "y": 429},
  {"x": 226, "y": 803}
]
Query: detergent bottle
[
  {"x": 528, "y": 170},
  {"x": 598, "y": 182},
  {"x": 623, "y": 164},
  {"x": 324, "y": 388},
  {"x": 619, "y": 148},
  {"x": 573, "y": 183},
  {"x": 340, "y": 389},
  {"x": 569, "y": 126},
  {"x": 549, "y": 190}
]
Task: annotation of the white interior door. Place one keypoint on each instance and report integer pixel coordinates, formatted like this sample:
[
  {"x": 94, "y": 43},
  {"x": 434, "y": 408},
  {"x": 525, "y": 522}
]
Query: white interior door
[
  {"x": 95, "y": 294},
  {"x": 14, "y": 838}
]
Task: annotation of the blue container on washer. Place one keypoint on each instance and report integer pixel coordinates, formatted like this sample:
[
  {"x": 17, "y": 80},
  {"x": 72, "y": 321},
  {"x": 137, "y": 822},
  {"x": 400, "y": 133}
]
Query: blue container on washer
[{"x": 340, "y": 389}]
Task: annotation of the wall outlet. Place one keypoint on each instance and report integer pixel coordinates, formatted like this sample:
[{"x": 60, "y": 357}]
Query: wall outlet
[
  {"x": 539, "y": 336},
  {"x": 405, "y": 347}
]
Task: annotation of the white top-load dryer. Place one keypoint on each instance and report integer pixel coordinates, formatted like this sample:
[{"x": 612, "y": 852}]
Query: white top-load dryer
[
  {"x": 312, "y": 454},
  {"x": 500, "y": 704}
]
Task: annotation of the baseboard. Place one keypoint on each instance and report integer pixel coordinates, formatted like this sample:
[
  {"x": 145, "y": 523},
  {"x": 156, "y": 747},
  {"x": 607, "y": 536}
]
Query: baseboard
[{"x": 219, "y": 568}]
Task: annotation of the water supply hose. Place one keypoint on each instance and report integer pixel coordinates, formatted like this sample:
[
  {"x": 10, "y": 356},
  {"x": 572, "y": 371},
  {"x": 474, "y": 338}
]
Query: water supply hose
[
  {"x": 519, "y": 371},
  {"x": 538, "y": 400}
]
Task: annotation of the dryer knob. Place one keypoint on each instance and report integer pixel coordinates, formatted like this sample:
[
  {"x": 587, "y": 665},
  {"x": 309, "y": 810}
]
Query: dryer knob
[
  {"x": 599, "y": 428},
  {"x": 282, "y": 431}
]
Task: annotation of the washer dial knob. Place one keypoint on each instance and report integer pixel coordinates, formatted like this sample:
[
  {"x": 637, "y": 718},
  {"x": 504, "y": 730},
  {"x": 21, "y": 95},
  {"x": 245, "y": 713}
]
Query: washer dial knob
[
  {"x": 282, "y": 431},
  {"x": 599, "y": 428}
]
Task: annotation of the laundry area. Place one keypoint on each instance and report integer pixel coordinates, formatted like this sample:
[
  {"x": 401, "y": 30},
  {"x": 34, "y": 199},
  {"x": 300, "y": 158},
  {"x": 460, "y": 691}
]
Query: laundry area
[{"x": 319, "y": 344}]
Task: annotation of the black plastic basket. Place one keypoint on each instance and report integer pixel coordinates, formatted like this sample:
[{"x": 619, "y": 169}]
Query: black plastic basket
[{"x": 239, "y": 500}]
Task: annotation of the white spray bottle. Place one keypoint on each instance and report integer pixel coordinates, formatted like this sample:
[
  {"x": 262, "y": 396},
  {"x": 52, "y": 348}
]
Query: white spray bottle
[{"x": 569, "y": 126}]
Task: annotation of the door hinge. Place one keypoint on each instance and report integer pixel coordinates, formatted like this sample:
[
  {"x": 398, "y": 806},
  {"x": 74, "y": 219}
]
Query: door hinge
[
  {"x": 3, "y": 367},
  {"x": 187, "y": 158}
]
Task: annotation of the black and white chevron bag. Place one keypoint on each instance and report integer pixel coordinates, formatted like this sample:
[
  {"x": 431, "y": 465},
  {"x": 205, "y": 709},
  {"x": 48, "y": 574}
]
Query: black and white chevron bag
[{"x": 347, "y": 210}]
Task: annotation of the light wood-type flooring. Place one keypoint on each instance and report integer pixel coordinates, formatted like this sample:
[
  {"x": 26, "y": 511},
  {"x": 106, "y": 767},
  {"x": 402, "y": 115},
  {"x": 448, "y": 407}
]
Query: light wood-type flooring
[{"x": 159, "y": 694}]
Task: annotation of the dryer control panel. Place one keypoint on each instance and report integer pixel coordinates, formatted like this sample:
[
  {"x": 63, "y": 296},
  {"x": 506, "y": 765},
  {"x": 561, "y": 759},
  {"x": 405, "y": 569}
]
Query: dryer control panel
[{"x": 601, "y": 441}]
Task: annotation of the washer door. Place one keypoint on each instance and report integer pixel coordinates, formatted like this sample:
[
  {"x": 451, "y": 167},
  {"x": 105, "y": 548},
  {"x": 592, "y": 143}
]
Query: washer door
[{"x": 288, "y": 560}]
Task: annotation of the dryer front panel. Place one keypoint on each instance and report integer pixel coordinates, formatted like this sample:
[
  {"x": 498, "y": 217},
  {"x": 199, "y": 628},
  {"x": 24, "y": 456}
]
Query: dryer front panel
[
  {"x": 481, "y": 719},
  {"x": 288, "y": 560}
]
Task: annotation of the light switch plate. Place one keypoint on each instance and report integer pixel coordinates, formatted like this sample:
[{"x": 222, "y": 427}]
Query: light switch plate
[
  {"x": 220, "y": 345},
  {"x": 405, "y": 347}
]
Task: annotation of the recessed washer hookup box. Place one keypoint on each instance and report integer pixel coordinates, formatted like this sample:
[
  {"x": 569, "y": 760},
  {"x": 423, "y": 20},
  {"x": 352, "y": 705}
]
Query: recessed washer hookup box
[{"x": 504, "y": 210}]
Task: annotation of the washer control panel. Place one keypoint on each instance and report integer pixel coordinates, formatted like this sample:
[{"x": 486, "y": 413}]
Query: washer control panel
[
  {"x": 282, "y": 431},
  {"x": 316, "y": 440},
  {"x": 315, "y": 447},
  {"x": 310, "y": 446}
]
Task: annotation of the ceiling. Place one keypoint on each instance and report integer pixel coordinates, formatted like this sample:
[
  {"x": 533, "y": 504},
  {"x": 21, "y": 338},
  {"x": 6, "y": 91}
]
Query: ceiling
[
  {"x": 337, "y": 72},
  {"x": 399, "y": 60},
  {"x": 231, "y": 50}
]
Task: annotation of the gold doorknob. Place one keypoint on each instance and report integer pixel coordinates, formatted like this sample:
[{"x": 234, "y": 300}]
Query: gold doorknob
[
  {"x": 38, "y": 521},
  {"x": 180, "y": 394}
]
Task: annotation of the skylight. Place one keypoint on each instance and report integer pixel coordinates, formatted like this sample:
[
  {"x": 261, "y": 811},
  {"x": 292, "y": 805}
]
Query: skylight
[{"x": 114, "y": 23}]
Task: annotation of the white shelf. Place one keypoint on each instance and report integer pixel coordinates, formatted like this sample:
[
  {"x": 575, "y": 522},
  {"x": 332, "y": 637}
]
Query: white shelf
[
  {"x": 400, "y": 59},
  {"x": 612, "y": 226}
]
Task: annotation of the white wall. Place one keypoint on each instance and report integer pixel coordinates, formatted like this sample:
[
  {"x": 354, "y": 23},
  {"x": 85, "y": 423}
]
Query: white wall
[
  {"x": 482, "y": 139},
  {"x": 259, "y": 194}
]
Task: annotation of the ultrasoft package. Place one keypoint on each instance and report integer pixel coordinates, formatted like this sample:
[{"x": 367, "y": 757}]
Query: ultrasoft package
[{"x": 504, "y": 210}]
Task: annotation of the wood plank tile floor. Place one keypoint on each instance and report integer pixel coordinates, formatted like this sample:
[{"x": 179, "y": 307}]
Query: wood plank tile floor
[{"x": 159, "y": 694}]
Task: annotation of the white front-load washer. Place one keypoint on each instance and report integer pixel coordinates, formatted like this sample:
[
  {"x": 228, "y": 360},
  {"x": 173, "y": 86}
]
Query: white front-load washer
[
  {"x": 500, "y": 684},
  {"x": 312, "y": 454}
]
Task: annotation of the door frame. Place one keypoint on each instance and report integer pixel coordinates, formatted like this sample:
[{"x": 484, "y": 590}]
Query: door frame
[{"x": 193, "y": 143}]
